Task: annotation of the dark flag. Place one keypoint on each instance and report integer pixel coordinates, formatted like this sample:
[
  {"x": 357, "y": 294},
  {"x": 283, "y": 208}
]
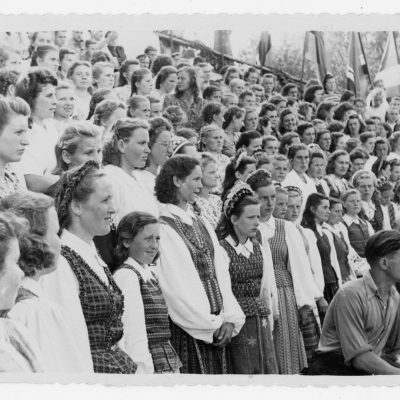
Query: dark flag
[
  {"x": 222, "y": 42},
  {"x": 314, "y": 50},
  {"x": 264, "y": 49}
]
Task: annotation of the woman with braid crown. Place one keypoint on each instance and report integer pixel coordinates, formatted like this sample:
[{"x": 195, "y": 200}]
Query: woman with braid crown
[
  {"x": 83, "y": 284},
  {"x": 193, "y": 273},
  {"x": 252, "y": 350}
]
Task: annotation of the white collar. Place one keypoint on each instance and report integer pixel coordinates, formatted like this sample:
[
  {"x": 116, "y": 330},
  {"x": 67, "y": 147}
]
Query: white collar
[
  {"x": 319, "y": 229},
  {"x": 145, "y": 272},
  {"x": 187, "y": 216},
  {"x": 245, "y": 249},
  {"x": 32, "y": 285},
  {"x": 350, "y": 220}
]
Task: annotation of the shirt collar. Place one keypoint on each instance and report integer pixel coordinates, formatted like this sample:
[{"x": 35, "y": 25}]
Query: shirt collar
[
  {"x": 245, "y": 249},
  {"x": 350, "y": 220},
  {"x": 145, "y": 272},
  {"x": 31, "y": 285},
  {"x": 371, "y": 288},
  {"x": 187, "y": 216}
]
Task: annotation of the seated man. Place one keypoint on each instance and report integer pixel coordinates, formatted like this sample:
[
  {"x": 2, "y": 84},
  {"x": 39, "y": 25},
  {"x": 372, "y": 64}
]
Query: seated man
[{"x": 361, "y": 331}]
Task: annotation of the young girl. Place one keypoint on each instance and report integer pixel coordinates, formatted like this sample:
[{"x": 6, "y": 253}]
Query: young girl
[
  {"x": 146, "y": 327},
  {"x": 103, "y": 75}
]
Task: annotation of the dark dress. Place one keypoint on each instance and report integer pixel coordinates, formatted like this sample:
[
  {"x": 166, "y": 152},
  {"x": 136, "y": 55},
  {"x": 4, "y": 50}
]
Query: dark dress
[
  {"x": 197, "y": 356},
  {"x": 252, "y": 350},
  {"x": 102, "y": 308},
  {"x": 163, "y": 354},
  {"x": 358, "y": 236}
]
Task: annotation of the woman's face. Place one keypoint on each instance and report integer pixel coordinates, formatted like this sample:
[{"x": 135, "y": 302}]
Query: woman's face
[
  {"x": 214, "y": 141},
  {"x": 162, "y": 148},
  {"x": 10, "y": 276},
  {"x": 317, "y": 168},
  {"x": 330, "y": 85},
  {"x": 308, "y": 136},
  {"x": 81, "y": 77},
  {"x": 247, "y": 223},
  {"x": 378, "y": 100},
  {"x": 267, "y": 197},
  {"x": 354, "y": 126},
  {"x": 51, "y": 238},
  {"x": 210, "y": 175},
  {"x": 293, "y": 92},
  {"x": 144, "y": 246},
  {"x": 106, "y": 78},
  {"x": 50, "y": 61},
  {"x": 143, "y": 110},
  {"x": 321, "y": 212},
  {"x": 353, "y": 204},
  {"x": 170, "y": 83},
  {"x": 233, "y": 75},
  {"x": 289, "y": 122},
  {"x": 183, "y": 83},
  {"x": 341, "y": 165},
  {"x": 237, "y": 87},
  {"x": 144, "y": 62},
  {"x": 300, "y": 161},
  {"x": 14, "y": 139},
  {"x": 293, "y": 208},
  {"x": 341, "y": 143},
  {"x": 238, "y": 123},
  {"x": 65, "y": 103},
  {"x": 14, "y": 62},
  {"x": 251, "y": 121},
  {"x": 318, "y": 96},
  {"x": 190, "y": 187},
  {"x": 325, "y": 141},
  {"x": 336, "y": 214},
  {"x": 95, "y": 214},
  {"x": 145, "y": 85},
  {"x": 67, "y": 61},
  {"x": 136, "y": 149},
  {"x": 281, "y": 205},
  {"x": 45, "y": 103},
  {"x": 89, "y": 148}
]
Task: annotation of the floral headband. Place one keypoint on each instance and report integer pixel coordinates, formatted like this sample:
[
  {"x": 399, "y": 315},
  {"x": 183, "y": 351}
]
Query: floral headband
[{"x": 234, "y": 196}]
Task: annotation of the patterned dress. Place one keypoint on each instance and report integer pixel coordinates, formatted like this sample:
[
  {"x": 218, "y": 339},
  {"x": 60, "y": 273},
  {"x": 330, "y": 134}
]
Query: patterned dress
[
  {"x": 9, "y": 184},
  {"x": 102, "y": 308},
  {"x": 197, "y": 356},
  {"x": 289, "y": 344},
  {"x": 210, "y": 208},
  {"x": 163, "y": 354},
  {"x": 252, "y": 350}
]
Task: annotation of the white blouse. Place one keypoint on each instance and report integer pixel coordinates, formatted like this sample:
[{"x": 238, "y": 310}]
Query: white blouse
[
  {"x": 187, "y": 302},
  {"x": 52, "y": 331},
  {"x": 129, "y": 194},
  {"x": 134, "y": 341}
]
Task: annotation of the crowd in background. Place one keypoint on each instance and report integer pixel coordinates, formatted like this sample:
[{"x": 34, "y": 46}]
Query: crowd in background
[{"x": 158, "y": 216}]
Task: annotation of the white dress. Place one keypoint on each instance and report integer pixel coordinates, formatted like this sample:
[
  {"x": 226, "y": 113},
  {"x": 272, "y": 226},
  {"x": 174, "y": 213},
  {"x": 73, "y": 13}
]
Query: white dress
[
  {"x": 187, "y": 302},
  {"x": 129, "y": 194},
  {"x": 50, "y": 327}
]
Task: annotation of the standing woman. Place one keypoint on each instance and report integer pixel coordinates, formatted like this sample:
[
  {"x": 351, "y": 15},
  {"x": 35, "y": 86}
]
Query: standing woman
[
  {"x": 166, "y": 80},
  {"x": 141, "y": 82},
  {"x": 106, "y": 114},
  {"x": 317, "y": 170},
  {"x": 233, "y": 123},
  {"x": 316, "y": 213},
  {"x": 124, "y": 90},
  {"x": 248, "y": 268},
  {"x": 103, "y": 75},
  {"x": 80, "y": 73},
  {"x": 65, "y": 107},
  {"x": 336, "y": 170},
  {"x": 82, "y": 283},
  {"x": 146, "y": 328},
  {"x": 46, "y": 57},
  {"x": 187, "y": 96},
  {"x": 297, "y": 293},
  {"x": 14, "y": 115},
  {"x": 324, "y": 140},
  {"x": 196, "y": 285},
  {"x": 139, "y": 107},
  {"x": 37, "y": 88},
  {"x": 287, "y": 121}
]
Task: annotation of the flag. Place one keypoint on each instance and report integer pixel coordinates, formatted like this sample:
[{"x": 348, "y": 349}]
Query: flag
[
  {"x": 389, "y": 69},
  {"x": 314, "y": 50},
  {"x": 222, "y": 42},
  {"x": 264, "y": 49},
  {"x": 357, "y": 74}
]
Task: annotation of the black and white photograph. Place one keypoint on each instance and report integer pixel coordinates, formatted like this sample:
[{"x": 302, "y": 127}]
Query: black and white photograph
[{"x": 200, "y": 201}]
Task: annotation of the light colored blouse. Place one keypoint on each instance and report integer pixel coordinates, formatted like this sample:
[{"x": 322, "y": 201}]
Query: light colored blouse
[{"x": 211, "y": 208}]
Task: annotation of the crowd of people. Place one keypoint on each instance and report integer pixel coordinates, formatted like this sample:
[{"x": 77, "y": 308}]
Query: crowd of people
[{"x": 157, "y": 216}]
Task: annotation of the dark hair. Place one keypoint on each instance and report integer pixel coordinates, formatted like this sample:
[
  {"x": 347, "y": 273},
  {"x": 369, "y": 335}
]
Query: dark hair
[
  {"x": 159, "y": 62},
  {"x": 30, "y": 86},
  {"x": 286, "y": 141},
  {"x": 163, "y": 75},
  {"x": 366, "y": 135},
  {"x": 10, "y": 106},
  {"x": 294, "y": 148},
  {"x": 157, "y": 126},
  {"x": 128, "y": 228},
  {"x": 335, "y": 136},
  {"x": 100, "y": 56},
  {"x": 98, "y": 97},
  {"x": 266, "y": 107},
  {"x": 180, "y": 166},
  {"x": 347, "y": 95},
  {"x": 381, "y": 244},
  {"x": 209, "y": 111},
  {"x": 358, "y": 153},
  {"x": 228, "y": 72},
  {"x": 304, "y": 108},
  {"x": 313, "y": 200},
  {"x": 286, "y": 89},
  {"x": 7, "y": 78},
  {"x": 258, "y": 179},
  {"x": 335, "y": 126},
  {"x": 246, "y": 137},
  {"x": 303, "y": 126},
  {"x": 378, "y": 166},
  {"x": 330, "y": 166},
  {"x": 41, "y": 52},
  {"x": 323, "y": 109},
  {"x": 122, "y": 81},
  {"x": 193, "y": 85},
  {"x": 63, "y": 52},
  {"x": 210, "y": 91},
  {"x": 35, "y": 253},
  {"x": 325, "y": 80},
  {"x": 249, "y": 71},
  {"x": 360, "y": 121},
  {"x": 187, "y": 133},
  {"x": 310, "y": 92},
  {"x": 75, "y": 65},
  {"x": 232, "y": 112},
  {"x": 137, "y": 77},
  {"x": 284, "y": 113},
  {"x": 104, "y": 110},
  {"x": 320, "y": 133},
  {"x": 225, "y": 226},
  {"x": 341, "y": 110},
  {"x": 381, "y": 140}
]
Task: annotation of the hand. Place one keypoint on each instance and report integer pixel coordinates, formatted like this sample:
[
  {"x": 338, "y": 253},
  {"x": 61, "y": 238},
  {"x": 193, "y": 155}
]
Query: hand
[
  {"x": 303, "y": 312},
  {"x": 222, "y": 336},
  {"x": 322, "y": 305}
]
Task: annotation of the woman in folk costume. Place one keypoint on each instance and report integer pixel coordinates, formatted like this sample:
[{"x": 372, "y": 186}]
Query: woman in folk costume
[
  {"x": 297, "y": 292},
  {"x": 82, "y": 283},
  {"x": 252, "y": 350},
  {"x": 315, "y": 215},
  {"x": 194, "y": 273},
  {"x": 146, "y": 328}
]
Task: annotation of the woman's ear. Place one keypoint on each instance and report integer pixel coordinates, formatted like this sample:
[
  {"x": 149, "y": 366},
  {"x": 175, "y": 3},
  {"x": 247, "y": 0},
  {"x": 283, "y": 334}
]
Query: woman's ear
[
  {"x": 66, "y": 157},
  {"x": 76, "y": 208},
  {"x": 125, "y": 243},
  {"x": 177, "y": 182},
  {"x": 121, "y": 146}
]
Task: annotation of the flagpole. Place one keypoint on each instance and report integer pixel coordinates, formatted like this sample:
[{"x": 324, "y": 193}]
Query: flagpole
[
  {"x": 304, "y": 58},
  {"x": 365, "y": 58}
]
